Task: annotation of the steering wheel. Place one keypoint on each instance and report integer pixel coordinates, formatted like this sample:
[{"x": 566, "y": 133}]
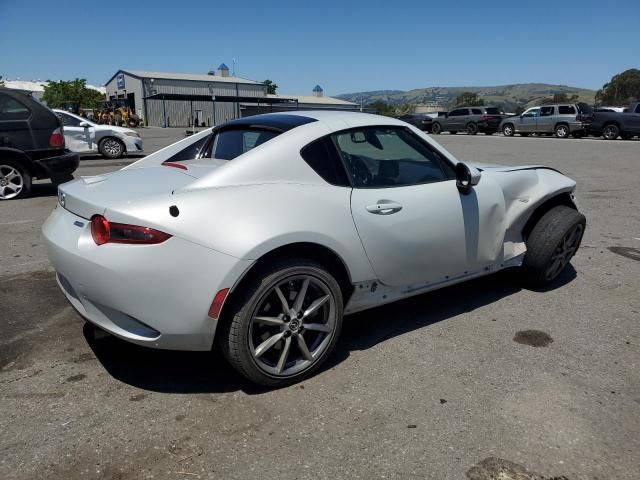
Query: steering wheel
[{"x": 359, "y": 170}]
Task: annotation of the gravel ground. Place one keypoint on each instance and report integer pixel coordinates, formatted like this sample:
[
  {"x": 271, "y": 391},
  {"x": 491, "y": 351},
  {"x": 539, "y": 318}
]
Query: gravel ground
[{"x": 446, "y": 385}]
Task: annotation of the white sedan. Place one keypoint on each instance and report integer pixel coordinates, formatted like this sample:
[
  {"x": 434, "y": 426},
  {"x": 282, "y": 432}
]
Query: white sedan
[
  {"x": 263, "y": 232},
  {"x": 84, "y": 136}
]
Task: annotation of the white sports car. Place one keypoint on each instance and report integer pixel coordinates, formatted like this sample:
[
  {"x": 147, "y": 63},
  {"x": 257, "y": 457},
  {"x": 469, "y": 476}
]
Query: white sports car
[
  {"x": 263, "y": 232},
  {"x": 84, "y": 136}
]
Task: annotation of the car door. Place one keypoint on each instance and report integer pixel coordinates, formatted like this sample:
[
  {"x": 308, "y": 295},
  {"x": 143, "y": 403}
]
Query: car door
[
  {"x": 456, "y": 119},
  {"x": 545, "y": 122},
  {"x": 634, "y": 122},
  {"x": 413, "y": 222},
  {"x": 78, "y": 138},
  {"x": 528, "y": 120}
]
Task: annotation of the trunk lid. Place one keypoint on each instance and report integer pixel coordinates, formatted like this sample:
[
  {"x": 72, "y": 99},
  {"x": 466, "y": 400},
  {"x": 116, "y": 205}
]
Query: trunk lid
[{"x": 89, "y": 196}]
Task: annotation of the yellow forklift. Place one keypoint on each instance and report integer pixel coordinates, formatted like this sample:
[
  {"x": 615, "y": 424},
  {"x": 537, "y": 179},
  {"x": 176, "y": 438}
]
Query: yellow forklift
[{"x": 117, "y": 111}]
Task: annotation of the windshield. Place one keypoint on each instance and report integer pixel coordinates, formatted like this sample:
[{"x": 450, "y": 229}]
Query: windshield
[{"x": 229, "y": 144}]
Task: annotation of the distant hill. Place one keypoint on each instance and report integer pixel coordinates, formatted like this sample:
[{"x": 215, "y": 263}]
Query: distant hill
[{"x": 509, "y": 96}]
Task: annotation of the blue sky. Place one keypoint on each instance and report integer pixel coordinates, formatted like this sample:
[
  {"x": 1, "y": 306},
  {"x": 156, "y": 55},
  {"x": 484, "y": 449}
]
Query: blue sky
[{"x": 344, "y": 46}]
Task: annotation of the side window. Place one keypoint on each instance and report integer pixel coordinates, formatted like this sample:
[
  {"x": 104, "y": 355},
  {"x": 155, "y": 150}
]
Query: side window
[
  {"x": 546, "y": 111},
  {"x": 68, "y": 120},
  {"x": 189, "y": 153},
  {"x": 476, "y": 111},
  {"x": 321, "y": 155},
  {"x": 532, "y": 112},
  {"x": 567, "y": 110},
  {"x": 389, "y": 157},
  {"x": 459, "y": 112},
  {"x": 11, "y": 109},
  {"x": 638, "y": 108}
]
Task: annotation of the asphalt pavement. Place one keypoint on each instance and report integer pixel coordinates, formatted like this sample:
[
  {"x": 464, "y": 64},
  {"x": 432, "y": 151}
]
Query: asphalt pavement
[{"x": 481, "y": 380}]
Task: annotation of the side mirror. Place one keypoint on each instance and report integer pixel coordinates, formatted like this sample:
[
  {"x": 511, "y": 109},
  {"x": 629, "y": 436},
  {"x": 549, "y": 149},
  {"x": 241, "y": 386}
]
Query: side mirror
[
  {"x": 466, "y": 178},
  {"x": 84, "y": 125}
]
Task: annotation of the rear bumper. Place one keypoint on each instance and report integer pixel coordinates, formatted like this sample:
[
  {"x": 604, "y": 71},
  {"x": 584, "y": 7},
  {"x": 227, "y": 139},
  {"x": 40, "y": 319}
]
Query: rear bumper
[
  {"x": 60, "y": 168},
  {"x": 152, "y": 295}
]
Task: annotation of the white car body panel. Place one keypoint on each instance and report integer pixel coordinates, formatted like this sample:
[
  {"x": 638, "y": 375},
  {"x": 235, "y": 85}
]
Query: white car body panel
[
  {"x": 87, "y": 139},
  {"x": 232, "y": 213}
]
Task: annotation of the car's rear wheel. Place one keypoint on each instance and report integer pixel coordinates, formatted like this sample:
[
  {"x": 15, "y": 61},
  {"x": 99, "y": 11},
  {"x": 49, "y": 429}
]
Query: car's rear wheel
[
  {"x": 610, "y": 132},
  {"x": 472, "y": 128},
  {"x": 284, "y": 323},
  {"x": 552, "y": 243},
  {"x": 15, "y": 180},
  {"x": 111, "y": 147},
  {"x": 508, "y": 130},
  {"x": 562, "y": 131},
  {"x": 436, "y": 128}
]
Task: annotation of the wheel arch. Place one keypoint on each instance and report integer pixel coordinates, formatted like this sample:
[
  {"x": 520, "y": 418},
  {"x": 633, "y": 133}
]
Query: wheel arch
[
  {"x": 19, "y": 156},
  {"x": 307, "y": 250},
  {"x": 563, "y": 198}
]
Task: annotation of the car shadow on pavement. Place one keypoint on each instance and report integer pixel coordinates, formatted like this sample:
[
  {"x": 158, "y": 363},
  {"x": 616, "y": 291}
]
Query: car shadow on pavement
[{"x": 208, "y": 372}]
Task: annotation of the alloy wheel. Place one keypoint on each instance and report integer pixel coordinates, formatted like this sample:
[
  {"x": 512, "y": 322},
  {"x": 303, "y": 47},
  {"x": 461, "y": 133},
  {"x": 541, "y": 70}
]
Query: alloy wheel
[
  {"x": 292, "y": 326},
  {"x": 610, "y": 132},
  {"x": 11, "y": 182},
  {"x": 111, "y": 147},
  {"x": 562, "y": 131},
  {"x": 564, "y": 252},
  {"x": 507, "y": 130}
]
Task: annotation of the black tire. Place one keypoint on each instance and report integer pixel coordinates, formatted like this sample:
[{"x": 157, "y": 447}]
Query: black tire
[
  {"x": 14, "y": 178},
  {"x": 508, "y": 130},
  {"x": 235, "y": 335},
  {"x": 552, "y": 243},
  {"x": 562, "y": 130},
  {"x": 610, "y": 131},
  {"x": 436, "y": 128},
  {"x": 472, "y": 128},
  {"x": 111, "y": 147}
]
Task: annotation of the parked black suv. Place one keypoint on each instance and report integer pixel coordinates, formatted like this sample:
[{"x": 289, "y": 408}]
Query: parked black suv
[
  {"x": 31, "y": 145},
  {"x": 420, "y": 120}
]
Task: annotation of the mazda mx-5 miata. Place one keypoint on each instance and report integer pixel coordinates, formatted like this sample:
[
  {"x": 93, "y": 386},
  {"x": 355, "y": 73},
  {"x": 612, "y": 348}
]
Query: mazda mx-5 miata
[{"x": 259, "y": 235}]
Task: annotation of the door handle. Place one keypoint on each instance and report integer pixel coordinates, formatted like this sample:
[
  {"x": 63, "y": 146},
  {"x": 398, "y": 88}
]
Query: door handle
[{"x": 384, "y": 208}]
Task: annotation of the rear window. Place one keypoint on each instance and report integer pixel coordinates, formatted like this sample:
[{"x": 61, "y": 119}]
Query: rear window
[
  {"x": 229, "y": 144},
  {"x": 493, "y": 111},
  {"x": 567, "y": 110},
  {"x": 11, "y": 109}
]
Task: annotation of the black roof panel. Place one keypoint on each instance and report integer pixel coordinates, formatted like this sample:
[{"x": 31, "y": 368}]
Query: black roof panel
[{"x": 279, "y": 121}]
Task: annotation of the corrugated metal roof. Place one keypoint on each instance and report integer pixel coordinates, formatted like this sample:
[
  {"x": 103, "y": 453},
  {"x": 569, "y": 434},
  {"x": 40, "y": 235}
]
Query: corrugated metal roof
[
  {"x": 187, "y": 76},
  {"x": 314, "y": 99}
]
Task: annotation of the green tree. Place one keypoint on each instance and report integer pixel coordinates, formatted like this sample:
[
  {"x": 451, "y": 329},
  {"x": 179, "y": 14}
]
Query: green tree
[
  {"x": 559, "y": 98},
  {"x": 57, "y": 93},
  {"x": 271, "y": 87},
  {"x": 1, "y": 82},
  {"x": 468, "y": 99},
  {"x": 622, "y": 89},
  {"x": 382, "y": 108},
  {"x": 519, "y": 110},
  {"x": 405, "y": 109}
]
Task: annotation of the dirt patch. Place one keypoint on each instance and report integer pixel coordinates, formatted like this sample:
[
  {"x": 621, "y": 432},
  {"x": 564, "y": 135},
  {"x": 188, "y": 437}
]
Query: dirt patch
[
  {"x": 533, "y": 338},
  {"x": 493, "y": 468},
  {"x": 138, "y": 397},
  {"x": 76, "y": 378},
  {"x": 627, "y": 252}
]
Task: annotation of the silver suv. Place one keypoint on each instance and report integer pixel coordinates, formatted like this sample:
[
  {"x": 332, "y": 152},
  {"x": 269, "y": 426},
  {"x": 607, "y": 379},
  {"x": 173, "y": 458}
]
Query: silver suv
[{"x": 562, "y": 119}]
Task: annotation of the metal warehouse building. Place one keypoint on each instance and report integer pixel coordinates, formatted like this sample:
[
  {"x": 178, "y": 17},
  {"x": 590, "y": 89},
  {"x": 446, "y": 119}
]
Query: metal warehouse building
[{"x": 178, "y": 99}]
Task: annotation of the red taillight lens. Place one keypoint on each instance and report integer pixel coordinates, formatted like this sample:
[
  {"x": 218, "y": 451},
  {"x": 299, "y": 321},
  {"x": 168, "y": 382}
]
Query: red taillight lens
[
  {"x": 100, "y": 229},
  {"x": 218, "y": 301},
  {"x": 104, "y": 231},
  {"x": 57, "y": 138}
]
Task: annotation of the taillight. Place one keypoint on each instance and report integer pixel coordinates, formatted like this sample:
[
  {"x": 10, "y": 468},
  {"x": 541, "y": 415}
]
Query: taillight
[
  {"x": 57, "y": 138},
  {"x": 104, "y": 231}
]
